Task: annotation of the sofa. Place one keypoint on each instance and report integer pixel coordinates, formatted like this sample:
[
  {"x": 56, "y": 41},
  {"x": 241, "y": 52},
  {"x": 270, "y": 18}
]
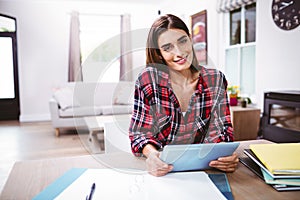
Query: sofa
[{"x": 71, "y": 102}]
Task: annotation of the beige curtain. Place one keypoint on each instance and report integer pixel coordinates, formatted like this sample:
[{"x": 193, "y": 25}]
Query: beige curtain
[
  {"x": 126, "y": 49},
  {"x": 75, "y": 69},
  {"x": 229, "y": 5}
]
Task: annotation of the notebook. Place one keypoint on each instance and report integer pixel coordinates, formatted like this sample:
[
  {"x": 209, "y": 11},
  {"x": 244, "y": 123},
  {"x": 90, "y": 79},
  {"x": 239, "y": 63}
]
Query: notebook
[
  {"x": 255, "y": 168},
  {"x": 282, "y": 181},
  {"x": 279, "y": 158},
  {"x": 196, "y": 156}
]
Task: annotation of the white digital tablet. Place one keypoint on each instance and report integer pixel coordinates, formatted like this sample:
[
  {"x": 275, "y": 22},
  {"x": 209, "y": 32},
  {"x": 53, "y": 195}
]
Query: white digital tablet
[{"x": 196, "y": 156}]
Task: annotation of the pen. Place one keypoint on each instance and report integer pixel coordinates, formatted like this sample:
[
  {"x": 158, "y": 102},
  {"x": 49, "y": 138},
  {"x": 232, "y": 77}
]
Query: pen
[{"x": 90, "y": 197}]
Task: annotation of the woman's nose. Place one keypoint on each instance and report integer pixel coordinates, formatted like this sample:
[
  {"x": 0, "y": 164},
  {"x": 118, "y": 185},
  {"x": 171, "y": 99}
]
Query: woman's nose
[{"x": 177, "y": 51}]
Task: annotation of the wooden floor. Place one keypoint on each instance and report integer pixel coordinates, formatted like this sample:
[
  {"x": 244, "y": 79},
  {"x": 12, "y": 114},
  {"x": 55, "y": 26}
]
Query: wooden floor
[{"x": 30, "y": 141}]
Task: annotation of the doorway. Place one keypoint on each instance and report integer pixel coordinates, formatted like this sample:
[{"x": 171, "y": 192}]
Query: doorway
[{"x": 9, "y": 83}]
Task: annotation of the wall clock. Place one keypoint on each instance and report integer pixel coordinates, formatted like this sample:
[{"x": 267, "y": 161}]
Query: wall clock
[{"x": 286, "y": 13}]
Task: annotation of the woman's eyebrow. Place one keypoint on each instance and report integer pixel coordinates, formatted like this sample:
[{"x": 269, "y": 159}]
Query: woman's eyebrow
[
  {"x": 182, "y": 37},
  {"x": 165, "y": 45}
]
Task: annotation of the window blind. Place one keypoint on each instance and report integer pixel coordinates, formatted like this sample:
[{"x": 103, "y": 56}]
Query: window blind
[{"x": 229, "y": 5}]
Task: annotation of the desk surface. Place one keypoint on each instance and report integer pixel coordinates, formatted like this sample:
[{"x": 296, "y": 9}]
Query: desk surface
[{"x": 28, "y": 178}]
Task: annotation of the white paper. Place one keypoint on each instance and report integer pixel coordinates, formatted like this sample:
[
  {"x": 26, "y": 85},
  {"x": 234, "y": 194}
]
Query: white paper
[
  {"x": 181, "y": 186},
  {"x": 134, "y": 185}
]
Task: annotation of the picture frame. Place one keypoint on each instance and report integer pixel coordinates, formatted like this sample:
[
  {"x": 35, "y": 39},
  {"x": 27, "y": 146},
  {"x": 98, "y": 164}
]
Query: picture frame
[{"x": 199, "y": 35}]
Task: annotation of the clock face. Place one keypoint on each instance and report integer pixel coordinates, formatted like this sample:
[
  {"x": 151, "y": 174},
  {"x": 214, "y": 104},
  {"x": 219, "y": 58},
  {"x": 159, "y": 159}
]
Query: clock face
[{"x": 286, "y": 13}]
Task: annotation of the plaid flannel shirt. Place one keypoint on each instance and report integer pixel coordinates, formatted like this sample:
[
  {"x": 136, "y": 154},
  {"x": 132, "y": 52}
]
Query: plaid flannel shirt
[{"x": 157, "y": 118}]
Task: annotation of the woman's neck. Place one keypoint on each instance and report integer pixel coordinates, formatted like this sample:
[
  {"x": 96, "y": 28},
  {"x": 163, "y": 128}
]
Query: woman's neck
[
  {"x": 183, "y": 85},
  {"x": 185, "y": 77}
]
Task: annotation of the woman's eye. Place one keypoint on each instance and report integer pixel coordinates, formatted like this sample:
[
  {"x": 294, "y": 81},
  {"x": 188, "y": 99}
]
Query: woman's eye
[{"x": 167, "y": 48}]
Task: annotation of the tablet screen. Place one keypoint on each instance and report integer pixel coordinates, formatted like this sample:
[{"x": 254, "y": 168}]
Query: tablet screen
[{"x": 196, "y": 156}]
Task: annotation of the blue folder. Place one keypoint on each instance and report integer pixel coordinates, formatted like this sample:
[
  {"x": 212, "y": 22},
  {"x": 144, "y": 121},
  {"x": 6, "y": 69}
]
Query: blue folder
[
  {"x": 60, "y": 184},
  {"x": 221, "y": 181}
]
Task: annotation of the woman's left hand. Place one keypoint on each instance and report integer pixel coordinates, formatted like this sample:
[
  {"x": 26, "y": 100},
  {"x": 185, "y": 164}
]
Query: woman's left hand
[{"x": 226, "y": 164}]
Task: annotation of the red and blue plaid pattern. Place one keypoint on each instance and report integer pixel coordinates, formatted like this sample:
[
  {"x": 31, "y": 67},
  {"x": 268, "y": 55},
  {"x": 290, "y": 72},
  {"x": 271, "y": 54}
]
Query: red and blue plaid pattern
[{"x": 157, "y": 118}]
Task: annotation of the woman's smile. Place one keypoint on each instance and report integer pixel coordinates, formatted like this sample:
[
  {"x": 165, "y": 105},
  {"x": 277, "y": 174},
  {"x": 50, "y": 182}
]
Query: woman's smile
[{"x": 180, "y": 61}]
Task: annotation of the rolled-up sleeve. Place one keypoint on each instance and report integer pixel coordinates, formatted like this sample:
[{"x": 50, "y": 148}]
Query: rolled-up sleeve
[
  {"x": 222, "y": 113},
  {"x": 143, "y": 126}
]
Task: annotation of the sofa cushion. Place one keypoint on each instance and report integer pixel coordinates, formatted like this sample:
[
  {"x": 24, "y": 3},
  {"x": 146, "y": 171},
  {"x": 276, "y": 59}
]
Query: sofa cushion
[
  {"x": 80, "y": 111},
  {"x": 65, "y": 98},
  {"x": 117, "y": 109}
]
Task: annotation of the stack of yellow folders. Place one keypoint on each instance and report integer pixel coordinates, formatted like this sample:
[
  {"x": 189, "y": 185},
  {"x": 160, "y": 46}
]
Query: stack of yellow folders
[
  {"x": 279, "y": 163},
  {"x": 281, "y": 158}
]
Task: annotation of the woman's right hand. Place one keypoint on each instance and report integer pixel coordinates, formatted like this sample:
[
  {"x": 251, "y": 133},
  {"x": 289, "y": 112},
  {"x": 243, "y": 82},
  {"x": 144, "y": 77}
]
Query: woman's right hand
[{"x": 155, "y": 166}]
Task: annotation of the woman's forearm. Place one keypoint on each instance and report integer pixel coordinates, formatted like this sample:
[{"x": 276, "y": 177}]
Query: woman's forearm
[{"x": 148, "y": 149}]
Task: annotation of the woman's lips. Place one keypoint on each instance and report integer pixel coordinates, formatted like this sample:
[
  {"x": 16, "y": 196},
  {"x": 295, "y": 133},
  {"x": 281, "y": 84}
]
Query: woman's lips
[{"x": 181, "y": 61}]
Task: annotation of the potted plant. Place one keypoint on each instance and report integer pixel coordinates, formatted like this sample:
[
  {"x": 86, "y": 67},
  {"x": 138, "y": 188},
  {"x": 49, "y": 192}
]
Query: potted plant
[{"x": 233, "y": 95}]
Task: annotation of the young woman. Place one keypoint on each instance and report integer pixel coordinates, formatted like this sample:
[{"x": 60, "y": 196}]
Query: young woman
[{"x": 176, "y": 100}]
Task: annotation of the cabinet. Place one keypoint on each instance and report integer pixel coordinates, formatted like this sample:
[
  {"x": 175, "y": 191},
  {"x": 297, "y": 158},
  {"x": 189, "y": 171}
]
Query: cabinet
[{"x": 245, "y": 122}]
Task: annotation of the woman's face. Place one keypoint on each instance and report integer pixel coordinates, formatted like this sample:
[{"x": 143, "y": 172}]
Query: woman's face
[{"x": 176, "y": 48}]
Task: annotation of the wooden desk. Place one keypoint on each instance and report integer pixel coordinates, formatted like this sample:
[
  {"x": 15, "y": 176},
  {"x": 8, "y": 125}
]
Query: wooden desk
[
  {"x": 245, "y": 122},
  {"x": 28, "y": 178}
]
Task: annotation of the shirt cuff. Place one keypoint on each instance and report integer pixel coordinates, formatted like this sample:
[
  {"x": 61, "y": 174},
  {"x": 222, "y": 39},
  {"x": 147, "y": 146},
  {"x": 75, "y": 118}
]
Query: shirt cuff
[{"x": 138, "y": 148}]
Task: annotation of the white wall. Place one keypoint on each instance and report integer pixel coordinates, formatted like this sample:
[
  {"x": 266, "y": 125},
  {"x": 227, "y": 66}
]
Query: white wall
[
  {"x": 277, "y": 54},
  {"x": 43, "y": 41}
]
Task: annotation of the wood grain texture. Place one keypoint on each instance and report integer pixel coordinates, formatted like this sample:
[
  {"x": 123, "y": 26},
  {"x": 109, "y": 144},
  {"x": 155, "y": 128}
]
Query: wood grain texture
[{"x": 245, "y": 122}]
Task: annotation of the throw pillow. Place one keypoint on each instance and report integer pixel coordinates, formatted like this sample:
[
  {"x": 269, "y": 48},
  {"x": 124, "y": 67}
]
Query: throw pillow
[{"x": 65, "y": 98}]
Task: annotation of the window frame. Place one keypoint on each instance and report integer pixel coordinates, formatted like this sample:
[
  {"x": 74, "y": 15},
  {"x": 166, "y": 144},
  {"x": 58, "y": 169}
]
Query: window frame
[{"x": 239, "y": 46}]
